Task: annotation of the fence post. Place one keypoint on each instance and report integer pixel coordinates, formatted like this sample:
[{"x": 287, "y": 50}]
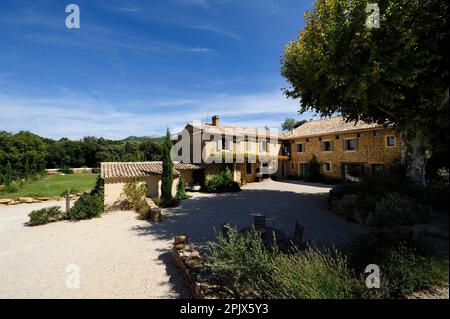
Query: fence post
[{"x": 67, "y": 201}]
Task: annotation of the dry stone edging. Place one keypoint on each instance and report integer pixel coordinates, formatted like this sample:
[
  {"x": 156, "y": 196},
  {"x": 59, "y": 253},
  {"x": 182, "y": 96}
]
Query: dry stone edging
[{"x": 191, "y": 265}]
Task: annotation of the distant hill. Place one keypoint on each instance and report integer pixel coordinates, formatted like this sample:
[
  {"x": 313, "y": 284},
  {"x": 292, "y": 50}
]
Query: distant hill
[{"x": 141, "y": 139}]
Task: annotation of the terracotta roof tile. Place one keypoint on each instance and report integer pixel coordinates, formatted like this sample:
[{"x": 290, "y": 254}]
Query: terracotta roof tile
[
  {"x": 138, "y": 169},
  {"x": 329, "y": 126}
]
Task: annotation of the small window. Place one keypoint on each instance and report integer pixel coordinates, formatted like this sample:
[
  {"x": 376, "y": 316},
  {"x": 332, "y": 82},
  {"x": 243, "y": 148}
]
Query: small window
[
  {"x": 390, "y": 141},
  {"x": 223, "y": 144},
  {"x": 249, "y": 168},
  {"x": 293, "y": 166},
  {"x": 350, "y": 145},
  {"x": 327, "y": 167},
  {"x": 307, "y": 139},
  {"x": 263, "y": 146},
  {"x": 300, "y": 148},
  {"x": 376, "y": 133},
  {"x": 358, "y": 135},
  {"x": 320, "y": 139},
  {"x": 327, "y": 146},
  {"x": 337, "y": 137}
]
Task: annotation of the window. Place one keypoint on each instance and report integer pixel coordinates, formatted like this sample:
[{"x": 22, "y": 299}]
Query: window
[
  {"x": 224, "y": 144},
  {"x": 376, "y": 133},
  {"x": 327, "y": 146},
  {"x": 263, "y": 146},
  {"x": 249, "y": 168},
  {"x": 327, "y": 167},
  {"x": 337, "y": 137},
  {"x": 304, "y": 169},
  {"x": 292, "y": 166},
  {"x": 390, "y": 141},
  {"x": 300, "y": 148},
  {"x": 350, "y": 145}
]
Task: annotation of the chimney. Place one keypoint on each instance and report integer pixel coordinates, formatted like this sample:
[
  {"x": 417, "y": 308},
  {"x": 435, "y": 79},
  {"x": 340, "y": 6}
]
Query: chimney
[{"x": 215, "y": 120}]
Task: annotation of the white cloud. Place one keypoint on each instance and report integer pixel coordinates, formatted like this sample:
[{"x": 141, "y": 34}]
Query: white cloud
[{"x": 74, "y": 116}]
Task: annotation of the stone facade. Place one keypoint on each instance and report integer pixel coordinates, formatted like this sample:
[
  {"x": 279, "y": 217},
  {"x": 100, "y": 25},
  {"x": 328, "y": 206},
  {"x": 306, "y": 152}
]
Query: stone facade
[{"x": 372, "y": 150}]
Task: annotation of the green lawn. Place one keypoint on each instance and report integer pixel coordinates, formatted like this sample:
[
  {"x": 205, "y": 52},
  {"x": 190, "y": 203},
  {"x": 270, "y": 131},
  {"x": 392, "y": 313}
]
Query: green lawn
[{"x": 53, "y": 186}]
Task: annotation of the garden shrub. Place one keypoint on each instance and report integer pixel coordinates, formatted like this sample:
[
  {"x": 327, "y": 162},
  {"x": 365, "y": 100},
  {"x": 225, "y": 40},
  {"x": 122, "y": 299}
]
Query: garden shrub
[
  {"x": 437, "y": 191},
  {"x": 406, "y": 265},
  {"x": 89, "y": 205},
  {"x": 312, "y": 274},
  {"x": 222, "y": 182},
  {"x": 382, "y": 199},
  {"x": 181, "y": 189},
  {"x": 45, "y": 215},
  {"x": 396, "y": 209},
  {"x": 135, "y": 192},
  {"x": 66, "y": 170},
  {"x": 243, "y": 258},
  {"x": 95, "y": 170}
]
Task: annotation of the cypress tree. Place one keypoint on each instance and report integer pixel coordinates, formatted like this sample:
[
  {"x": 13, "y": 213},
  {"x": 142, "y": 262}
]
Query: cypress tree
[
  {"x": 26, "y": 169},
  {"x": 8, "y": 175},
  {"x": 167, "y": 172}
]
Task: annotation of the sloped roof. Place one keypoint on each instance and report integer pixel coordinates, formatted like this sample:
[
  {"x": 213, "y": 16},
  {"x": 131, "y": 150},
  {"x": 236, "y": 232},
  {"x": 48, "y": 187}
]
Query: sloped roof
[
  {"x": 329, "y": 126},
  {"x": 139, "y": 169},
  {"x": 235, "y": 130}
]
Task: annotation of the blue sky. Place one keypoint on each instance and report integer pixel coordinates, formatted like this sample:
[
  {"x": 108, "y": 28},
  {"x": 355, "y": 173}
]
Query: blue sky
[{"x": 137, "y": 67}]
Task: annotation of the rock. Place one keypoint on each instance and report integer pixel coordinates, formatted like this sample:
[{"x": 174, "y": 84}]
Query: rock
[
  {"x": 14, "y": 202},
  {"x": 26, "y": 199},
  {"x": 5, "y": 201},
  {"x": 190, "y": 263},
  {"x": 437, "y": 232},
  {"x": 179, "y": 246},
  {"x": 43, "y": 199},
  {"x": 195, "y": 254},
  {"x": 182, "y": 239},
  {"x": 79, "y": 194}
]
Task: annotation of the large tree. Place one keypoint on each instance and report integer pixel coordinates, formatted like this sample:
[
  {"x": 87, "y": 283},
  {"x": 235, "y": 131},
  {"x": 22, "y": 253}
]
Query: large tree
[{"x": 395, "y": 74}]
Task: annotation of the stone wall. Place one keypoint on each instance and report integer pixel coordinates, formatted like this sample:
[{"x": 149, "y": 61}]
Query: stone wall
[
  {"x": 197, "y": 277},
  {"x": 371, "y": 149}
]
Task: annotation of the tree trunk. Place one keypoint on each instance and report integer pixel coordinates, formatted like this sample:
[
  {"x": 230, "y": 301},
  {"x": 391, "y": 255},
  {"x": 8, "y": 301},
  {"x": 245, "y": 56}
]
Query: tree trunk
[{"x": 414, "y": 154}]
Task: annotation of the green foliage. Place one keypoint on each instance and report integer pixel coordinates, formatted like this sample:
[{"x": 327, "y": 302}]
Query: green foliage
[
  {"x": 243, "y": 258},
  {"x": 222, "y": 182},
  {"x": 382, "y": 199},
  {"x": 167, "y": 174},
  {"x": 66, "y": 170},
  {"x": 396, "y": 209},
  {"x": 388, "y": 74},
  {"x": 313, "y": 171},
  {"x": 26, "y": 169},
  {"x": 135, "y": 192},
  {"x": 91, "y": 204},
  {"x": 312, "y": 274},
  {"x": 7, "y": 179},
  {"x": 289, "y": 124},
  {"x": 44, "y": 153},
  {"x": 406, "y": 264},
  {"x": 45, "y": 215},
  {"x": 181, "y": 189},
  {"x": 437, "y": 191}
]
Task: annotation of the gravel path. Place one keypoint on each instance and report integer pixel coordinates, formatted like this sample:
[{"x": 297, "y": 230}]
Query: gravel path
[
  {"x": 121, "y": 257},
  {"x": 114, "y": 259},
  {"x": 283, "y": 203}
]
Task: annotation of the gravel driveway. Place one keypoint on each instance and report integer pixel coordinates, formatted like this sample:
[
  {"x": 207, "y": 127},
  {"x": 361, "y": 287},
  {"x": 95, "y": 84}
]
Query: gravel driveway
[
  {"x": 283, "y": 203},
  {"x": 114, "y": 260},
  {"x": 121, "y": 257}
]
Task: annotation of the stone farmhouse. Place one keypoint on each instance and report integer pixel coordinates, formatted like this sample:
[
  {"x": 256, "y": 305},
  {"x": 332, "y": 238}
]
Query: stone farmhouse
[{"x": 343, "y": 150}]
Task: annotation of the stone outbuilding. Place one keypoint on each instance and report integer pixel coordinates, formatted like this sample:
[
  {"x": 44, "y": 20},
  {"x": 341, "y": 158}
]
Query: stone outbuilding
[{"x": 117, "y": 174}]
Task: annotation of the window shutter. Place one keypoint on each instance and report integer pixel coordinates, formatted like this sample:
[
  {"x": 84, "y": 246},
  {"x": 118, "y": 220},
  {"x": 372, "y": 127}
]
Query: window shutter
[{"x": 331, "y": 145}]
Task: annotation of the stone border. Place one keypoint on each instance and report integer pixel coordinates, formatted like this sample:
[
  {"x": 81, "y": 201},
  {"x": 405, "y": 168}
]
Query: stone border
[
  {"x": 32, "y": 200},
  {"x": 197, "y": 277}
]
